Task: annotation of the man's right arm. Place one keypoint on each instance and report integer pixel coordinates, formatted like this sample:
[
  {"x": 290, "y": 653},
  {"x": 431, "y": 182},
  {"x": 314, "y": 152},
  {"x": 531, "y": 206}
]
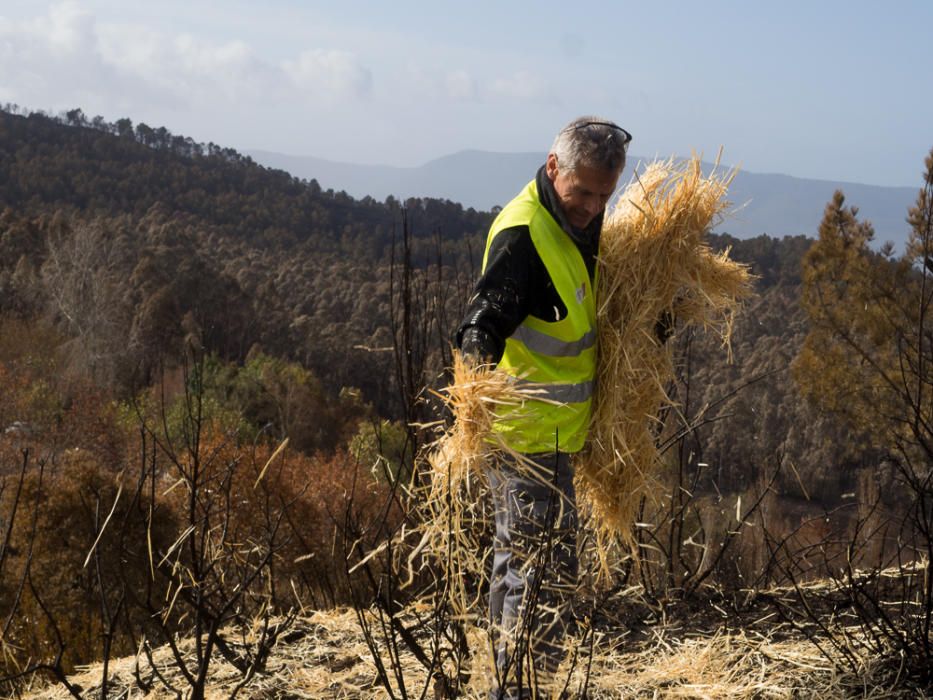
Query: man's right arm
[{"x": 500, "y": 298}]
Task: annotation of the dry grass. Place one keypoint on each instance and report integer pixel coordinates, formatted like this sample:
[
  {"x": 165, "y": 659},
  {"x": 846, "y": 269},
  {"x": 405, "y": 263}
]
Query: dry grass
[
  {"x": 726, "y": 665},
  {"x": 325, "y": 656},
  {"x": 696, "y": 652},
  {"x": 455, "y": 508}
]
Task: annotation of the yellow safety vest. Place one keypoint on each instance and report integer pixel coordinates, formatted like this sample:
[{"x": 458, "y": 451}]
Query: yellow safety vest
[{"x": 558, "y": 358}]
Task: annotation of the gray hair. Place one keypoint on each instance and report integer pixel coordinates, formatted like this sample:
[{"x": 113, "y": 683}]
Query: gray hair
[{"x": 593, "y": 142}]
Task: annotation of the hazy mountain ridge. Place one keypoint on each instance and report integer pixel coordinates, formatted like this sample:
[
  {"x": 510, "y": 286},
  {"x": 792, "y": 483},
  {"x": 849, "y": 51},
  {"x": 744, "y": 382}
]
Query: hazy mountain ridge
[{"x": 775, "y": 204}]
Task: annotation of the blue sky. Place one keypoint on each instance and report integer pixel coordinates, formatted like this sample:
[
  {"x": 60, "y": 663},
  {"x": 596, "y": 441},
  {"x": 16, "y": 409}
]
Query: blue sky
[{"x": 832, "y": 90}]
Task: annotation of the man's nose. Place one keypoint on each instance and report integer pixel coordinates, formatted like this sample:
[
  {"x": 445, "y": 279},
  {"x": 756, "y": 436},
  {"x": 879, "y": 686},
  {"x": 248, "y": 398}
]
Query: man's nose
[{"x": 593, "y": 206}]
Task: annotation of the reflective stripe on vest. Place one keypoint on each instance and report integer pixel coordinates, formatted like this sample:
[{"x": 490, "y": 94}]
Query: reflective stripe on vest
[
  {"x": 561, "y": 393},
  {"x": 548, "y": 345}
]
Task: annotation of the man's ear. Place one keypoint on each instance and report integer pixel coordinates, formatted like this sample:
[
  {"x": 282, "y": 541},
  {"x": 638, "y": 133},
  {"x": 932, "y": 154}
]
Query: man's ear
[{"x": 550, "y": 166}]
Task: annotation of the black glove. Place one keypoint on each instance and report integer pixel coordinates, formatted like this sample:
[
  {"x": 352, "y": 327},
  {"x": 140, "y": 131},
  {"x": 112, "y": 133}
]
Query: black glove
[{"x": 480, "y": 345}]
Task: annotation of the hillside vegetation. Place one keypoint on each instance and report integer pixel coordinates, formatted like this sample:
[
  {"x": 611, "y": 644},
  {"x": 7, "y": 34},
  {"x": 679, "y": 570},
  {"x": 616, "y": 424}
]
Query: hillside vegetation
[{"x": 212, "y": 373}]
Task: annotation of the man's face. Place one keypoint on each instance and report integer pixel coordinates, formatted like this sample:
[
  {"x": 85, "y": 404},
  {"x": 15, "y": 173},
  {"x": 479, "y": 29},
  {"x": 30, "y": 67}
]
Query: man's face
[{"x": 583, "y": 192}]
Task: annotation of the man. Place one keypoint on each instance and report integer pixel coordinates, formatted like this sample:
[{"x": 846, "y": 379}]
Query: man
[{"x": 533, "y": 315}]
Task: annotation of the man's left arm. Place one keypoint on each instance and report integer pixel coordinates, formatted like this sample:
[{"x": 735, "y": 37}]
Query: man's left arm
[{"x": 501, "y": 296}]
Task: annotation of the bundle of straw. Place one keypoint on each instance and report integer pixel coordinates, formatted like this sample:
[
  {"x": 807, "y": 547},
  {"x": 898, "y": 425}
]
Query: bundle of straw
[
  {"x": 456, "y": 509},
  {"x": 654, "y": 259}
]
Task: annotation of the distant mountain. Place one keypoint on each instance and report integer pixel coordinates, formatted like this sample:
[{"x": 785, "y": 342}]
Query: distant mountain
[
  {"x": 477, "y": 179},
  {"x": 774, "y": 204}
]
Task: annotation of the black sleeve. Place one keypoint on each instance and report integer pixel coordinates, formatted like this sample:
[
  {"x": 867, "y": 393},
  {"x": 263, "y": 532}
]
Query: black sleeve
[{"x": 500, "y": 300}]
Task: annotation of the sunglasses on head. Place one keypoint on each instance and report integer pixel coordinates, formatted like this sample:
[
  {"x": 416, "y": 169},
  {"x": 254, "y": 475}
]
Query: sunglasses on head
[{"x": 626, "y": 136}]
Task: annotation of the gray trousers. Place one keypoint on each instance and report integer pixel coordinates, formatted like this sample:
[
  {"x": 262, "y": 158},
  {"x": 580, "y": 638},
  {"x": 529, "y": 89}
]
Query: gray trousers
[{"x": 534, "y": 571}]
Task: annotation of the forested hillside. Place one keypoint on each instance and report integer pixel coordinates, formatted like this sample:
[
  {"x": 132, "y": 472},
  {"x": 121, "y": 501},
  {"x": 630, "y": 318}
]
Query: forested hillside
[
  {"x": 162, "y": 229},
  {"x": 160, "y": 297},
  {"x": 169, "y": 228},
  {"x": 134, "y": 242},
  {"x": 96, "y": 167}
]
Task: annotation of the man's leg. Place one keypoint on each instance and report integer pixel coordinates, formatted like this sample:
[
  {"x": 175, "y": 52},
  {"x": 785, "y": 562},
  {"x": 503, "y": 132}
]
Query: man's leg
[
  {"x": 534, "y": 570},
  {"x": 498, "y": 484}
]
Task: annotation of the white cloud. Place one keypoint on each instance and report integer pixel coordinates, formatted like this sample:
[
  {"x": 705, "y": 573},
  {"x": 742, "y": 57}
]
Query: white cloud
[
  {"x": 194, "y": 71},
  {"x": 199, "y": 58},
  {"x": 230, "y": 87},
  {"x": 52, "y": 58},
  {"x": 460, "y": 85},
  {"x": 66, "y": 58},
  {"x": 330, "y": 73},
  {"x": 479, "y": 85},
  {"x": 522, "y": 86},
  {"x": 69, "y": 29},
  {"x": 70, "y": 57}
]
